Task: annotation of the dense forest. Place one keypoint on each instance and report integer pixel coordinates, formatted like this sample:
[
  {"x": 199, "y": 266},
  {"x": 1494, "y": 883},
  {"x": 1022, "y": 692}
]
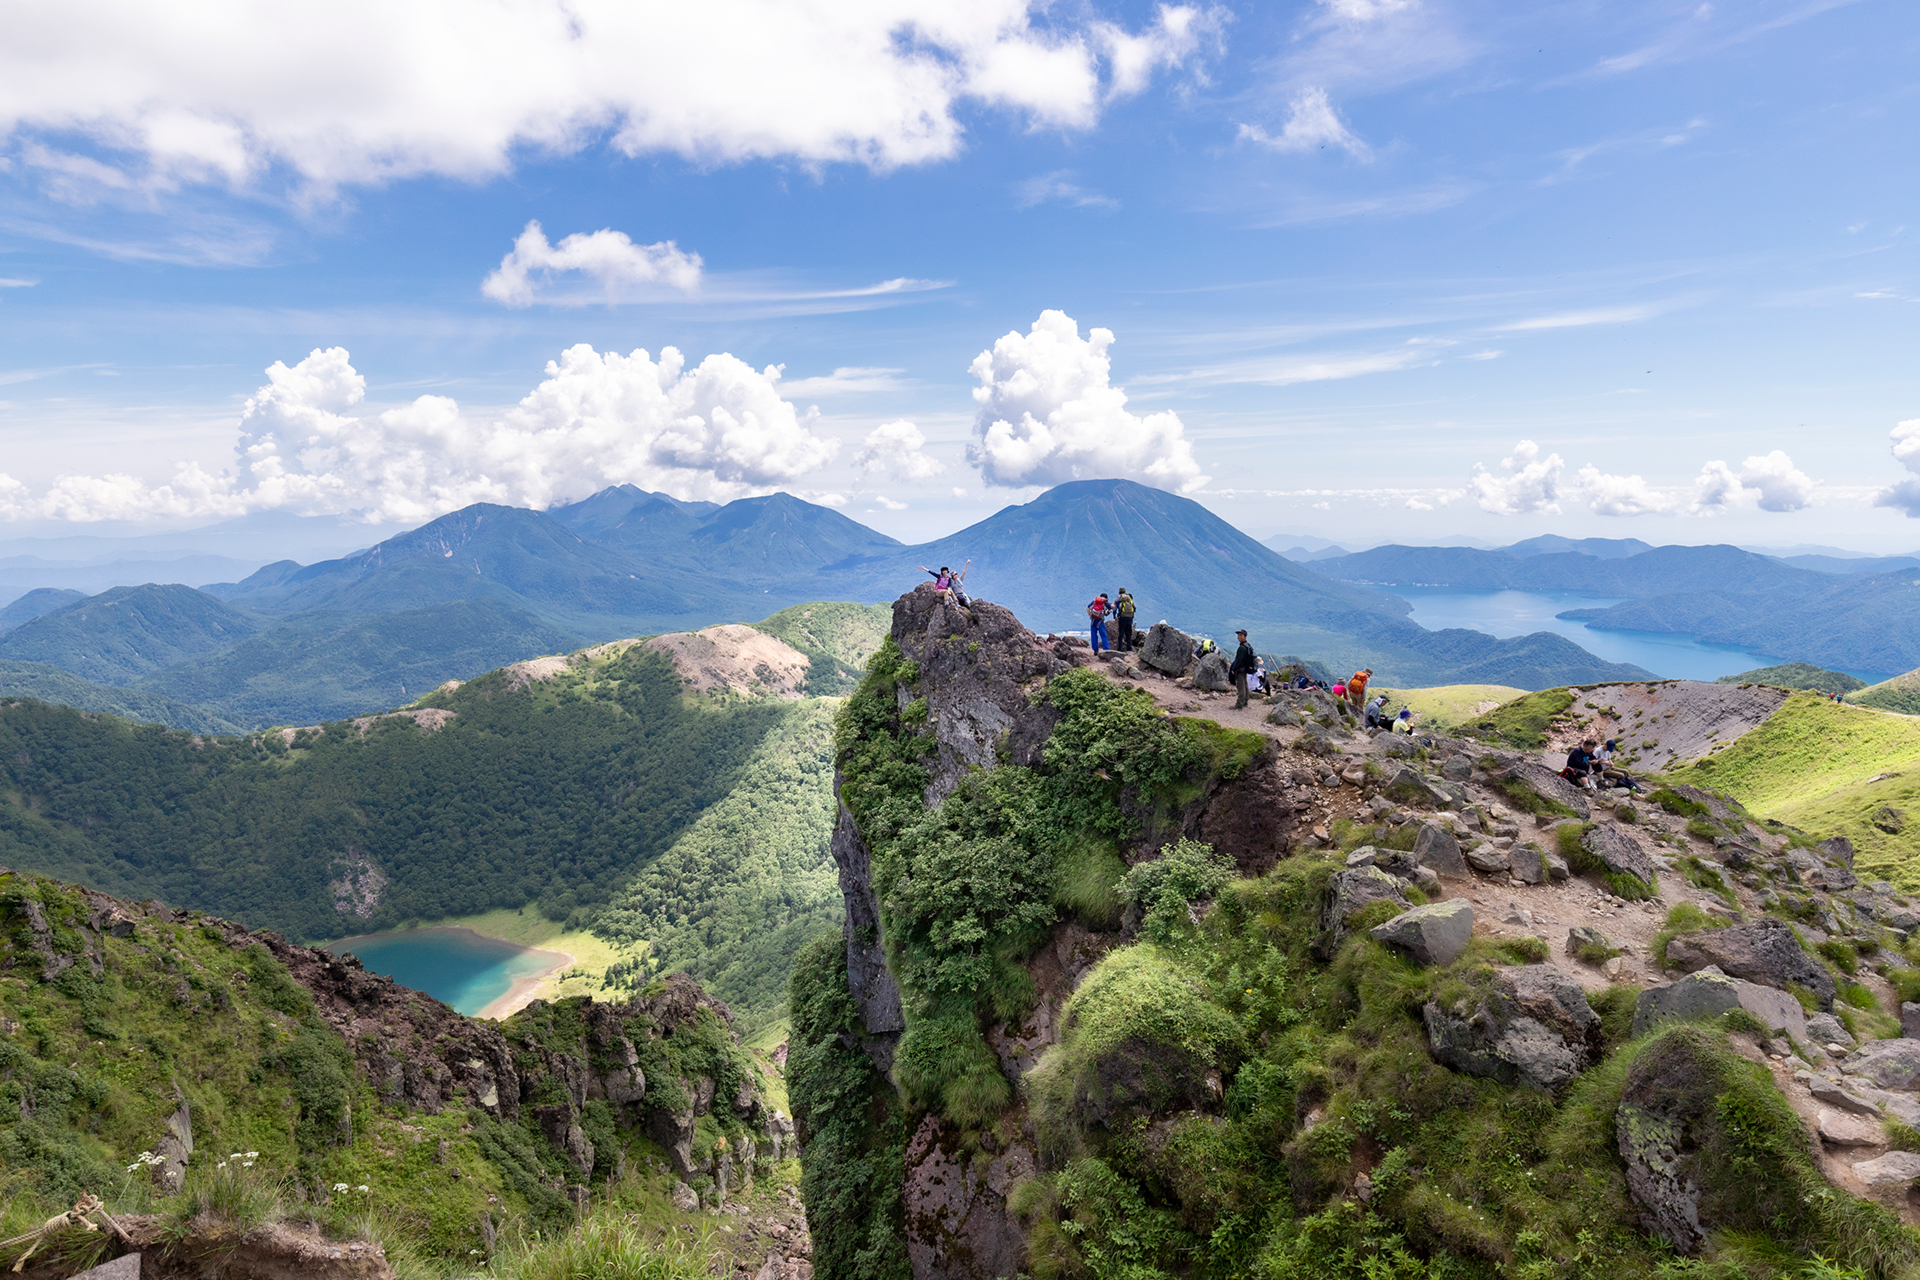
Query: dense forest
[{"x": 555, "y": 791}]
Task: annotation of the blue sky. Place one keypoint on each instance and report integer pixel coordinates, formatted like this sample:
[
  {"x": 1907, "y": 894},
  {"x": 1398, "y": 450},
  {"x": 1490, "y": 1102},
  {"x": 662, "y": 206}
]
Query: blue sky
[{"x": 1348, "y": 252}]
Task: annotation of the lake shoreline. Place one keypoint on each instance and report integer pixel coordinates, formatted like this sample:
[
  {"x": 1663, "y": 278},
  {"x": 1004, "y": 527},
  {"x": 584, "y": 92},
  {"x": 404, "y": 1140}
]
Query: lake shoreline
[{"x": 523, "y": 989}]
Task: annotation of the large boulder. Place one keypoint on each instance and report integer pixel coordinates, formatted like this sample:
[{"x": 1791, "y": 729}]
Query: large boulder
[
  {"x": 1894, "y": 1169},
  {"x": 1619, "y": 853},
  {"x": 1891, "y": 1064},
  {"x": 1666, "y": 1174},
  {"x": 1528, "y": 864},
  {"x": 1166, "y": 649},
  {"x": 1533, "y": 1027},
  {"x": 1435, "y": 847},
  {"x": 1764, "y": 951},
  {"x": 1409, "y": 787},
  {"x": 1549, "y": 785},
  {"x": 1838, "y": 851},
  {"x": 1435, "y": 934},
  {"x": 1211, "y": 672},
  {"x": 1710, "y": 993},
  {"x": 1350, "y": 892}
]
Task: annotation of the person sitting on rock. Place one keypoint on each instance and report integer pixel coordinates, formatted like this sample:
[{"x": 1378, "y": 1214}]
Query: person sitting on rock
[
  {"x": 1582, "y": 764},
  {"x": 1613, "y": 773},
  {"x": 1377, "y": 712},
  {"x": 1403, "y": 723}
]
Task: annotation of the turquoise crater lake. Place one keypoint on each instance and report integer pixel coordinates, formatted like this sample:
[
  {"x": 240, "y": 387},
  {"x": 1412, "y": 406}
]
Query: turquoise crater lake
[{"x": 475, "y": 974}]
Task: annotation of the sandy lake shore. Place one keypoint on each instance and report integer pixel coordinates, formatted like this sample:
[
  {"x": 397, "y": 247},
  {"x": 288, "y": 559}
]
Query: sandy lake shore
[{"x": 527, "y": 988}]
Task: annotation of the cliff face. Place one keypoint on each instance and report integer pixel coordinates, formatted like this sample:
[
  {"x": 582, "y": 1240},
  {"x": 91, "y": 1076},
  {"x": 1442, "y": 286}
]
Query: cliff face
[{"x": 969, "y": 687}]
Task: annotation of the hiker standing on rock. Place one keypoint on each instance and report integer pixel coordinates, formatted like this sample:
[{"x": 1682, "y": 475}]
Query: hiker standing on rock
[
  {"x": 1123, "y": 609},
  {"x": 1357, "y": 688},
  {"x": 1244, "y": 663},
  {"x": 1097, "y": 611}
]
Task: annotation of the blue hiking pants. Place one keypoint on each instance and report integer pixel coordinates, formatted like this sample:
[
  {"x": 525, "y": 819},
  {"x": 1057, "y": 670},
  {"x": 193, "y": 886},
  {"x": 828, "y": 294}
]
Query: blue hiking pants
[{"x": 1100, "y": 635}]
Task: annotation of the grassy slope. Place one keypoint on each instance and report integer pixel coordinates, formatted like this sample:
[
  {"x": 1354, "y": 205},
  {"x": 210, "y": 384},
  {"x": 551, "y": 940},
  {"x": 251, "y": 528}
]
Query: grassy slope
[
  {"x": 1813, "y": 764},
  {"x": 837, "y": 636},
  {"x": 1449, "y": 705},
  {"x": 1522, "y": 722},
  {"x": 1902, "y": 694},
  {"x": 1798, "y": 675}
]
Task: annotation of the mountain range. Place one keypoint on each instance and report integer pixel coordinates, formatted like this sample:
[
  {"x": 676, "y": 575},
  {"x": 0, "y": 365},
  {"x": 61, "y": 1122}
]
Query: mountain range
[{"x": 490, "y": 584}]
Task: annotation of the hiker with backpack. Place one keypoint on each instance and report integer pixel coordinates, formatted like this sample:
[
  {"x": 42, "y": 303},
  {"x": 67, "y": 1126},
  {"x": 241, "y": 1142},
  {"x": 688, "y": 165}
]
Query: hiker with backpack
[
  {"x": 1123, "y": 609},
  {"x": 1097, "y": 611},
  {"x": 1244, "y": 663},
  {"x": 1357, "y": 688}
]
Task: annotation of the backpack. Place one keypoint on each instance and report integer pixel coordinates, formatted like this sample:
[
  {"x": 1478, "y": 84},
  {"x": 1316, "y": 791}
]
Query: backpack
[
  {"x": 1097, "y": 609},
  {"x": 1126, "y": 606},
  {"x": 1206, "y": 647}
]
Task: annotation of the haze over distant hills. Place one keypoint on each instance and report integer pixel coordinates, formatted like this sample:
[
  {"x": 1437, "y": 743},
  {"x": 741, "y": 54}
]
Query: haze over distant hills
[{"x": 491, "y": 584}]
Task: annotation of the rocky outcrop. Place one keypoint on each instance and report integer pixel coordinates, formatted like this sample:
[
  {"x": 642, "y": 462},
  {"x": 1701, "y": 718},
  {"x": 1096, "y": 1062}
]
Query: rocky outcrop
[
  {"x": 1662, "y": 1160},
  {"x": 1764, "y": 951},
  {"x": 1435, "y": 934},
  {"x": 958, "y": 1223},
  {"x": 1710, "y": 993},
  {"x": 1533, "y": 1027},
  {"x": 1435, "y": 847},
  {"x": 976, "y": 668},
  {"x": 1166, "y": 649},
  {"x": 875, "y": 993},
  {"x": 209, "y": 1248},
  {"x": 1211, "y": 672}
]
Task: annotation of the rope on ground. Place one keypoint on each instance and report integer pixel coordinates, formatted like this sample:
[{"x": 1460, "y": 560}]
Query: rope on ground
[{"x": 78, "y": 1216}]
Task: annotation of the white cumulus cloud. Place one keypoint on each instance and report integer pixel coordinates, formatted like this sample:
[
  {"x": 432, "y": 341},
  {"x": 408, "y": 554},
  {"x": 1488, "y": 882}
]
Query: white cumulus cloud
[
  {"x": 1312, "y": 124},
  {"x": 1904, "y": 496},
  {"x": 718, "y": 430},
  {"x": 1770, "y": 481},
  {"x": 1048, "y": 414},
  {"x": 369, "y": 91},
  {"x": 1610, "y": 495},
  {"x": 610, "y": 258},
  {"x": 1525, "y": 484},
  {"x": 893, "y": 448}
]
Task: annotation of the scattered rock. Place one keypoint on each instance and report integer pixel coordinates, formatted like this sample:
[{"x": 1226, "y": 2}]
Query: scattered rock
[
  {"x": 1488, "y": 858},
  {"x": 1891, "y": 1064},
  {"x": 1166, "y": 649},
  {"x": 1844, "y": 1129},
  {"x": 1584, "y": 938},
  {"x": 1286, "y": 717},
  {"x": 1835, "y": 1094},
  {"x": 1890, "y": 1170},
  {"x": 1910, "y": 1020},
  {"x": 1528, "y": 864},
  {"x": 1435, "y": 934},
  {"x": 1709, "y": 993},
  {"x": 1764, "y": 951},
  {"x": 1838, "y": 850},
  {"x": 1557, "y": 869},
  {"x": 1408, "y": 787},
  {"x": 1549, "y": 785},
  {"x": 1362, "y": 857},
  {"x": 1457, "y": 768},
  {"x": 1620, "y": 853},
  {"x": 1534, "y": 1027},
  {"x": 1824, "y": 1028},
  {"x": 1348, "y": 893},
  {"x": 1211, "y": 673},
  {"x": 1889, "y": 819},
  {"x": 684, "y": 1198},
  {"x": 1435, "y": 847}
]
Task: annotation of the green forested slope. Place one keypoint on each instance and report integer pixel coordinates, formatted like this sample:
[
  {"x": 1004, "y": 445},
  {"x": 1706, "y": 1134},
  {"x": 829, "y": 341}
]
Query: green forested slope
[
  {"x": 837, "y": 637},
  {"x": 51, "y": 684},
  {"x": 557, "y": 791},
  {"x": 120, "y": 635},
  {"x": 748, "y": 884}
]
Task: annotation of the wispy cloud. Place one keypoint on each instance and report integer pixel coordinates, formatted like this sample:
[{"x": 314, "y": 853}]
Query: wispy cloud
[
  {"x": 1311, "y": 211},
  {"x": 1059, "y": 187},
  {"x": 846, "y": 380},
  {"x": 1591, "y": 316},
  {"x": 1287, "y": 370},
  {"x": 1312, "y": 125},
  {"x": 9, "y": 282}
]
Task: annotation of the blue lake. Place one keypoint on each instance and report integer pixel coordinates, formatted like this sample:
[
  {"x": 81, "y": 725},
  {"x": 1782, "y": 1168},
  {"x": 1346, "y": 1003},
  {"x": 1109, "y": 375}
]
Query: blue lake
[
  {"x": 465, "y": 969},
  {"x": 1518, "y": 613}
]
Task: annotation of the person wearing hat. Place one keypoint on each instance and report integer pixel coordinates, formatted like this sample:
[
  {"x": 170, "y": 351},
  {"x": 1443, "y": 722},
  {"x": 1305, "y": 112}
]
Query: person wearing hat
[
  {"x": 1357, "y": 687},
  {"x": 1124, "y": 609},
  {"x": 1244, "y": 664}
]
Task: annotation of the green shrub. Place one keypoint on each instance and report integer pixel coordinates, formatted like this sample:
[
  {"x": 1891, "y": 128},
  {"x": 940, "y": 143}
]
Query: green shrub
[
  {"x": 1841, "y": 955},
  {"x": 1087, "y": 882},
  {"x": 1682, "y": 918},
  {"x": 1678, "y": 805},
  {"x": 1165, "y": 887}
]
